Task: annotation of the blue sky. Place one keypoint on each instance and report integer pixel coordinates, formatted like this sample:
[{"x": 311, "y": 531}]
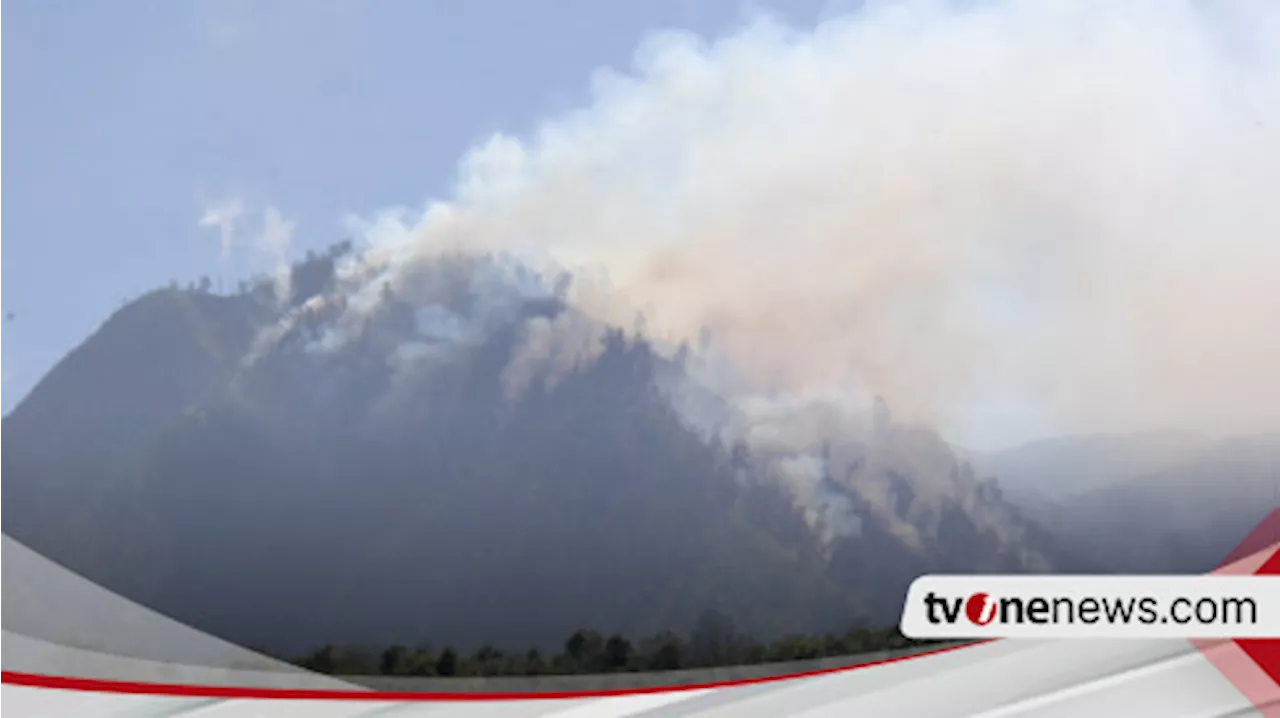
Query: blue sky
[{"x": 125, "y": 116}]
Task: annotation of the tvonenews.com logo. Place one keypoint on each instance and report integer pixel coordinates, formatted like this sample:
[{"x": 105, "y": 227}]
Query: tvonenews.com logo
[
  {"x": 1093, "y": 606},
  {"x": 982, "y": 609}
]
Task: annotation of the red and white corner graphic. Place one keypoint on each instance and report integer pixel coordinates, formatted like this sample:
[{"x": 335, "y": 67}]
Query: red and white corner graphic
[{"x": 1008, "y": 677}]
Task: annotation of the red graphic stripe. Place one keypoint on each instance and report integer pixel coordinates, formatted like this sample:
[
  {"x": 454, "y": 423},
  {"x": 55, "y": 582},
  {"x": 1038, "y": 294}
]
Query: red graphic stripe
[
  {"x": 1266, "y": 651},
  {"x": 34, "y": 680},
  {"x": 1252, "y": 665}
]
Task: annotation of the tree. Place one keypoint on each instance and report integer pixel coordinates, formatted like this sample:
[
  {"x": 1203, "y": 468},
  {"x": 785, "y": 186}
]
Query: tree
[
  {"x": 617, "y": 653},
  {"x": 205, "y": 284},
  {"x": 665, "y": 652},
  {"x": 794, "y": 648},
  {"x": 584, "y": 649},
  {"x": 681, "y": 358},
  {"x": 393, "y": 661},
  {"x": 421, "y": 663},
  {"x": 858, "y": 640},
  {"x": 752, "y": 652},
  {"x": 324, "y": 660},
  {"x": 487, "y": 661},
  {"x": 533, "y": 663},
  {"x": 448, "y": 663}
]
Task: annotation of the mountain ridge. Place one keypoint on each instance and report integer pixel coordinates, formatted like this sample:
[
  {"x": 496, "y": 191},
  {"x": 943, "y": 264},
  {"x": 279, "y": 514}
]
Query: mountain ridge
[{"x": 391, "y": 482}]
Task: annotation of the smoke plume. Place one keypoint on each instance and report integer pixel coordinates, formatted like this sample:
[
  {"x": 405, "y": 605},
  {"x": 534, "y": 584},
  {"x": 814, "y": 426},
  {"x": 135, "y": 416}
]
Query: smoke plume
[
  {"x": 1002, "y": 216},
  {"x": 272, "y": 241},
  {"x": 275, "y": 239},
  {"x": 222, "y": 216}
]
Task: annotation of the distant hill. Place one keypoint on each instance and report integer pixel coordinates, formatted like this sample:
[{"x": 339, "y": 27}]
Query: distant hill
[
  {"x": 222, "y": 460},
  {"x": 1068, "y": 466},
  {"x": 1147, "y": 503}
]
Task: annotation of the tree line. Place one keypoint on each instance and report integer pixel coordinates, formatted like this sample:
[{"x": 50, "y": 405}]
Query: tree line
[{"x": 713, "y": 643}]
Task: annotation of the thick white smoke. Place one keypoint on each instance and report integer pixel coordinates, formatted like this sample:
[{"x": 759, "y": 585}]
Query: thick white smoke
[
  {"x": 1006, "y": 218},
  {"x": 1055, "y": 215}
]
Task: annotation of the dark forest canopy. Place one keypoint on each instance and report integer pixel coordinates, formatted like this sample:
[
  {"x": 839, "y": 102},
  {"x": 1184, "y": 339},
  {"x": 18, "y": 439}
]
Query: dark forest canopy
[{"x": 713, "y": 643}]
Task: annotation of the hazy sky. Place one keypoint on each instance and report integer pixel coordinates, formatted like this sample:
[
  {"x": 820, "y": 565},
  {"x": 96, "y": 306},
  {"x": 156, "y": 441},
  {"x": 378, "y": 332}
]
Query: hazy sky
[{"x": 125, "y": 117}]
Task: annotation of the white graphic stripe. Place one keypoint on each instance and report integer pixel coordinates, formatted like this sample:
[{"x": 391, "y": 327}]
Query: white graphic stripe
[{"x": 622, "y": 706}]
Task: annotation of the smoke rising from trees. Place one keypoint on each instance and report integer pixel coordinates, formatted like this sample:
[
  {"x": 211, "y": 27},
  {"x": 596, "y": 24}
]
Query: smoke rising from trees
[{"x": 1059, "y": 208}]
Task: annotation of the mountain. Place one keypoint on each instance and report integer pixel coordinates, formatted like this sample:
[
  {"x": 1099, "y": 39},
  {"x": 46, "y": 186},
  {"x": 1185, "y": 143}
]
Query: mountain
[
  {"x": 282, "y": 471},
  {"x": 1063, "y": 467},
  {"x": 1150, "y": 503}
]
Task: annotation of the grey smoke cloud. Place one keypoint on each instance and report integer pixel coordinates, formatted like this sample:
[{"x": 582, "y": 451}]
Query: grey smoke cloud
[{"x": 1057, "y": 214}]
